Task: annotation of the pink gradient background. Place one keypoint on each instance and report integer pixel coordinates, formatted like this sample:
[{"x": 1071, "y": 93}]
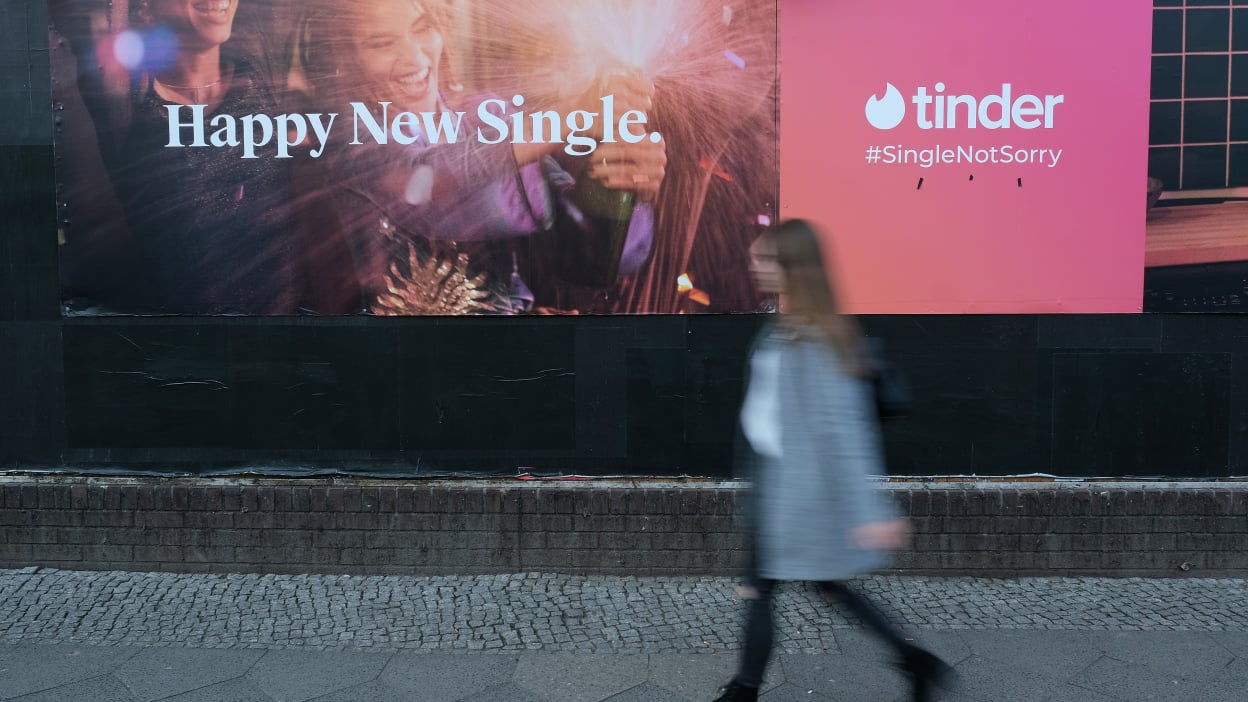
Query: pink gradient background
[{"x": 1071, "y": 239}]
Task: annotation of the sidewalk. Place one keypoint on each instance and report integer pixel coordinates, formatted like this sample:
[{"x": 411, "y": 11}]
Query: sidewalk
[{"x": 116, "y": 636}]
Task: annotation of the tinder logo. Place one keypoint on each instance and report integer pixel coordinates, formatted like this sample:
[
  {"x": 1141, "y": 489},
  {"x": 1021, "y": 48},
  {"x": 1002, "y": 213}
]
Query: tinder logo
[
  {"x": 887, "y": 112},
  {"x": 935, "y": 110}
]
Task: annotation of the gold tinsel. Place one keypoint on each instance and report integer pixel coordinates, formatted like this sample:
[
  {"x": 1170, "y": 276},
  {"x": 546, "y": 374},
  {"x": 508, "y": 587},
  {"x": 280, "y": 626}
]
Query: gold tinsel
[{"x": 437, "y": 285}]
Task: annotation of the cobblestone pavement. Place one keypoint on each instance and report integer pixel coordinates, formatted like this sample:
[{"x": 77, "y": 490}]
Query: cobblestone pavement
[{"x": 560, "y": 613}]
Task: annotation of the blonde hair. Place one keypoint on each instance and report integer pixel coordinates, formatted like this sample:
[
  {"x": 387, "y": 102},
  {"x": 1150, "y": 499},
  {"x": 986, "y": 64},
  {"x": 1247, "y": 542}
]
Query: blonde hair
[
  {"x": 812, "y": 299},
  {"x": 326, "y": 46}
]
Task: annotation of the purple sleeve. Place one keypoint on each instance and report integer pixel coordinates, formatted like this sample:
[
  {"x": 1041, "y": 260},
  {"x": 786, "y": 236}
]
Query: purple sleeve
[
  {"x": 465, "y": 191},
  {"x": 640, "y": 228},
  {"x": 640, "y": 239}
]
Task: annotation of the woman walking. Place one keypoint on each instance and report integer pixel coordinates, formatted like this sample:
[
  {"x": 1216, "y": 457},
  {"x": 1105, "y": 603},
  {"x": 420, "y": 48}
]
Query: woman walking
[{"x": 809, "y": 420}]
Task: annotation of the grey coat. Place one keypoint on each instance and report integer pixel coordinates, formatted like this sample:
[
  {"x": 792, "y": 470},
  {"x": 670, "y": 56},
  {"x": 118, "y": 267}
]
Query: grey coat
[{"x": 808, "y": 501}]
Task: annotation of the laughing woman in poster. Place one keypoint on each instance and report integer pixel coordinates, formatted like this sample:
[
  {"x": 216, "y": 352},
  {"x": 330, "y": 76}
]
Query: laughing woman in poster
[
  {"x": 207, "y": 230},
  {"x": 432, "y": 227}
]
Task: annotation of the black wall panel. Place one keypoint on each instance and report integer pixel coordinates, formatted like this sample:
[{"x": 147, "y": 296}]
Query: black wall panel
[
  {"x": 1069, "y": 395},
  {"x": 1145, "y": 413}
]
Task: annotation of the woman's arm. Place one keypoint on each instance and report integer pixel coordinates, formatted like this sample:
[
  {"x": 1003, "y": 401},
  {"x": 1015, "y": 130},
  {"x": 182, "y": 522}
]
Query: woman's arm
[{"x": 463, "y": 191}]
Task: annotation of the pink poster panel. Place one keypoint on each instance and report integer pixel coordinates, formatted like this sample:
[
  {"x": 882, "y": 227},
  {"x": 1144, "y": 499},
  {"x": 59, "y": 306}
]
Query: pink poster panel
[{"x": 970, "y": 157}]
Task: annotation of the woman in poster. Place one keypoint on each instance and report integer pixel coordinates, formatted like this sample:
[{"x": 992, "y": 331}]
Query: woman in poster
[
  {"x": 208, "y": 231},
  {"x": 436, "y": 228}
]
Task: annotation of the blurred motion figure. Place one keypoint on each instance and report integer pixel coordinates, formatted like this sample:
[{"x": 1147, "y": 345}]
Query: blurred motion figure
[{"x": 813, "y": 440}]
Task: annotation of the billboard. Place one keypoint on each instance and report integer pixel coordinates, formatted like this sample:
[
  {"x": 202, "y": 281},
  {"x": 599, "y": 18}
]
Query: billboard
[
  {"x": 399, "y": 157},
  {"x": 403, "y": 157}
]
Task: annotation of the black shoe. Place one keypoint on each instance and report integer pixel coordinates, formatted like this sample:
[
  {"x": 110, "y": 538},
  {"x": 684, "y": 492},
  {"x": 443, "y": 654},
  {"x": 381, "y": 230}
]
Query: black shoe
[
  {"x": 925, "y": 672},
  {"x": 736, "y": 692}
]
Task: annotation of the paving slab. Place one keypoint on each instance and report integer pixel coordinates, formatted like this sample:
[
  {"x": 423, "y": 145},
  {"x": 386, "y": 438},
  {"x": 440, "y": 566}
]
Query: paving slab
[
  {"x": 1228, "y": 686},
  {"x": 1074, "y": 693},
  {"x": 691, "y": 676},
  {"x": 509, "y": 691},
  {"x": 988, "y": 680},
  {"x": 434, "y": 677},
  {"x": 374, "y": 691},
  {"x": 297, "y": 676},
  {"x": 1182, "y": 653},
  {"x": 950, "y": 646},
  {"x": 844, "y": 678},
  {"x": 647, "y": 692},
  {"x": 1128, "y": 681},
  {"x": 236, "y": 690},
  {"x": 789, "y": 692},
  {"x": 27, "y": 669},
  {"x": 158, "y": 672},
  {"x": 104, "y": 688},
  {"x": 1236, "y": 642},
  {"x": 561, "y": 677},
  {"x": 1064, "y": 656}
]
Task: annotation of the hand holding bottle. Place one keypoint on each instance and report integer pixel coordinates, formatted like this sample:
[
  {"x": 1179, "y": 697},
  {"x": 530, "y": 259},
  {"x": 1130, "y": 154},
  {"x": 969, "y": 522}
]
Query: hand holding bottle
[
  {"x": 637, "y": 167},
  {"x": 619, "y": 165}
]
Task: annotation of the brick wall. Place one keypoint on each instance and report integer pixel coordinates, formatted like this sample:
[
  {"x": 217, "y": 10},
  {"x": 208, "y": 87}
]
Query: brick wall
[{"x": 463, "y": 528}]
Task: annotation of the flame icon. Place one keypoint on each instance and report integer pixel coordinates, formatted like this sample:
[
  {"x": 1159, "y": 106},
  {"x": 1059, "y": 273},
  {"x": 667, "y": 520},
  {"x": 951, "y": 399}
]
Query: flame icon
[{"x": 888, "y": 112}]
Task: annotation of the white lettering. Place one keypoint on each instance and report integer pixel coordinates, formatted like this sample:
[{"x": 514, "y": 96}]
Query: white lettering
[
  {"x": 250, "y": 140},
  {"x": 922, "y": 100},
  {"x": 321, "y": 131},
  {"x": 998, "y": 101},
  {"x": 1051, "y": 101},
  {"x": 580, "y": 121},
  {"x": 291, "y": 130},
  {"x": 492, "y": 120},
  {"x": 406, "y": 121},
  {"x": 375, "y": 129},
  {"x": 1026, "y": 106},
  {"x": 436, "y": 130},
  {"x": 995, "y": 111},
  {"x": 629, "y": 119},
  {"x": 608, "y": 119},
  {"x": 227, "y": 131},
  {"x": 542, "y": 120},
  {"x": 176, "y": 126}
]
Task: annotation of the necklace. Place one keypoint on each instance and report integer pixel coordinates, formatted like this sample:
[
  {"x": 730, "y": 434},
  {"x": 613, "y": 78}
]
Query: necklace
[{"x": 194, "y": 89}]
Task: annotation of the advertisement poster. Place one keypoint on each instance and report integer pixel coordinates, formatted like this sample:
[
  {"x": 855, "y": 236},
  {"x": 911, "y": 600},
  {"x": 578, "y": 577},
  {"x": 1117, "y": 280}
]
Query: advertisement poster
[
  {"x": 970, "y": 157},
  {"x": 413, "y": 157}
]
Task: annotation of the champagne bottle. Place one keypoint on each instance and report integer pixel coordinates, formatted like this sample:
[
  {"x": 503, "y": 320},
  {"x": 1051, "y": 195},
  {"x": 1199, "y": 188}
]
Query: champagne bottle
[{"x": 592, "y": 256}]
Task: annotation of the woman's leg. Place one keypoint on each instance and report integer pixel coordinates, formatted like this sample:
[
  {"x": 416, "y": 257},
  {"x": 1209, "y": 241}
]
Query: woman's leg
[
  {"x": 923, "y": 669},
  {"x": 759, "y": 632},
  {"x": 872, "y": 617}
]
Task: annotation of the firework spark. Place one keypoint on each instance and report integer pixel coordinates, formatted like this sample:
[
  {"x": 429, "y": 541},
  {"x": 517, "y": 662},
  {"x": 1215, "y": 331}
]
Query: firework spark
[{"x": 713, "y": 65}]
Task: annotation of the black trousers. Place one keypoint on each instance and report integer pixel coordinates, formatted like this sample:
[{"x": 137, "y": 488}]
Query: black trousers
[{"x": 760, "y": 627}]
